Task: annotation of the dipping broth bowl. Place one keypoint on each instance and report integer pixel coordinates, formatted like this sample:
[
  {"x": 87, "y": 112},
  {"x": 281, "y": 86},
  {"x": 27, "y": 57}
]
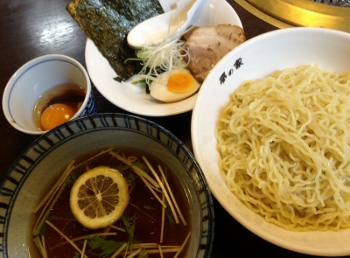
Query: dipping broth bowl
[
  {"x": 35, "y": 80},
  {"x": 39, "y": 165}
]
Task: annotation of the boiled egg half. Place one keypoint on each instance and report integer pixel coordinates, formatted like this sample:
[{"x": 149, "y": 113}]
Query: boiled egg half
[{"x": 174, "y": 85}]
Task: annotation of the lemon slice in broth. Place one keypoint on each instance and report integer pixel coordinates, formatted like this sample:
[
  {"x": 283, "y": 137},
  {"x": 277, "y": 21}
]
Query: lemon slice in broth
[{"x": 99, "y": 197}]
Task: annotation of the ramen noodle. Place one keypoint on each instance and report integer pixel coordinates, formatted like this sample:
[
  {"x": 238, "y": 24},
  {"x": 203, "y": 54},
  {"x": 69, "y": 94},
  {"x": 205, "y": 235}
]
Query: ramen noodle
[{"x": 284, "y": 146}]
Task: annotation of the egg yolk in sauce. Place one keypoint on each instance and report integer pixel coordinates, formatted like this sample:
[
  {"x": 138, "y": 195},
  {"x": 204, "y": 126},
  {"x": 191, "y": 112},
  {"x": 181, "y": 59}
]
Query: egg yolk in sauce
[
  {"x": 180, "y": 82},
  {"x": 55, "y": 115}
]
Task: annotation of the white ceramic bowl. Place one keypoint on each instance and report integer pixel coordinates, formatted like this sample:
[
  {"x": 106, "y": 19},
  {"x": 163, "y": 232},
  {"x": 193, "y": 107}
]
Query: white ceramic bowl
[
  {"x": 255, "y": 59},
  {"x": 38, "y": 165},
  {"x": 133, "y": 97},
  {"x": 36, "y": 77}
]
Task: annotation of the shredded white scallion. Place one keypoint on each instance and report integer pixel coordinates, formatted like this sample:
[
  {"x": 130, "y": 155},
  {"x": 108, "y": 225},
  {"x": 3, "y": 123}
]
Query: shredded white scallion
[{"x": 169, "y": 54}]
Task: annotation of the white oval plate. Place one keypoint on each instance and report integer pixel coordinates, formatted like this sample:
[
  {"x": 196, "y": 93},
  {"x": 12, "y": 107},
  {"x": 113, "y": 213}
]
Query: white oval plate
[
  {"x": 132, "y": 98},
  {"x": 254, "y": 59}
]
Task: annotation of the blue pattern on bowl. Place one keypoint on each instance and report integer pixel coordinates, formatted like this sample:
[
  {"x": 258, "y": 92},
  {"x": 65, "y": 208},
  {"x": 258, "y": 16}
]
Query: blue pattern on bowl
[{"x": 25, "y": 179}]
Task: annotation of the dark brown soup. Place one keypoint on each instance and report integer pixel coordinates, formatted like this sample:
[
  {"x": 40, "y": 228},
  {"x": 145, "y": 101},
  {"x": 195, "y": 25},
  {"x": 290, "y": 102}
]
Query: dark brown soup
[
  {"x": 144, "y": 213},
  {"x": 69, "y": 94}
]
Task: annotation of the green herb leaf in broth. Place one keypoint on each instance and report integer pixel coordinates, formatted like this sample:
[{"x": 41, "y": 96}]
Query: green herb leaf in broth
[
  {"x": 122, "y": 168},
  {"x": 147, "y": 207},
  {"x": 129, "y": 224},
  {"x": 69, "y": 180},
  {"x": 107, "y": 247},
  {"x": 141, "y": 165},
  {"x": 170, "y": 217}
]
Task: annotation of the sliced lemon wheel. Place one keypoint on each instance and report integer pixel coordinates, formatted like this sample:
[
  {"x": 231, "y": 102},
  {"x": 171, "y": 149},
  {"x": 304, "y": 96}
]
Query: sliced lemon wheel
[{"x": 99, "y": 197}]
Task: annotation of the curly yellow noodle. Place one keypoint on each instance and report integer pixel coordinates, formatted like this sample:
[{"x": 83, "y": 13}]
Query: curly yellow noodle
[{"x": 284, "y": 146}]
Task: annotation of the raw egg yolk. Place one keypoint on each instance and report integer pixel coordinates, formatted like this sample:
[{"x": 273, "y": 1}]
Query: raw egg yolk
[
  {"x": 55, "y": 115},
  {"x": 180, "y": 82}
]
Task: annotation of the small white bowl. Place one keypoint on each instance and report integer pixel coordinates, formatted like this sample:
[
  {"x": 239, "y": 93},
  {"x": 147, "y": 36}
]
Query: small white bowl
[
  {"x": 256, "y": 59},
  {"x": 36, "y": 77}
]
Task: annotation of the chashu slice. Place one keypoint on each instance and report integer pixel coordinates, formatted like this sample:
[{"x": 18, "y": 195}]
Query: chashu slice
[{"x": 207, "y": 45}]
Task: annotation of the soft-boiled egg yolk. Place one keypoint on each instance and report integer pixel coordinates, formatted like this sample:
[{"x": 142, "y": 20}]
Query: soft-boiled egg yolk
[
  {"x": 55, "y": 115},
  {"x": 174, "y": 85},
  {"x": 180, "y": 81}
]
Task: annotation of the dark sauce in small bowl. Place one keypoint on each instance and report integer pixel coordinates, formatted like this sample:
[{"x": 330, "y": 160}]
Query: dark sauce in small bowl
[{"x": 68, "y": 94}]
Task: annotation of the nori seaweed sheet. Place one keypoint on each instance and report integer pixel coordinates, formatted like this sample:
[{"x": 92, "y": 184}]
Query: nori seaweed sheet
[{"x": 107, "y": 23}]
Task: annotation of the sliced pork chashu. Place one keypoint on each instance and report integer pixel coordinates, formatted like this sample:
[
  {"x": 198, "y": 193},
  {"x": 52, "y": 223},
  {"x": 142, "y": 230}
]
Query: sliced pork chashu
[{"x": 207, "y": 45}]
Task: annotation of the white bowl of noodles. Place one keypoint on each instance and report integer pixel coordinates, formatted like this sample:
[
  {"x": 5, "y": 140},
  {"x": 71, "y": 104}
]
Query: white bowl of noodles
[{"x": 286, "y": 158}]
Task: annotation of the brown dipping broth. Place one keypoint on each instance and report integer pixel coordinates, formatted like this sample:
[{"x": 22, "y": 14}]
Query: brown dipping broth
[{"x": 143, "y": 205}]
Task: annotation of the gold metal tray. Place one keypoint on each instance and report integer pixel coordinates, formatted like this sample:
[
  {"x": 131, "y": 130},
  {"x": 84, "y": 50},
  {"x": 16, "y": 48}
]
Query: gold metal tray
[{"x": 290, "y": 13}]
